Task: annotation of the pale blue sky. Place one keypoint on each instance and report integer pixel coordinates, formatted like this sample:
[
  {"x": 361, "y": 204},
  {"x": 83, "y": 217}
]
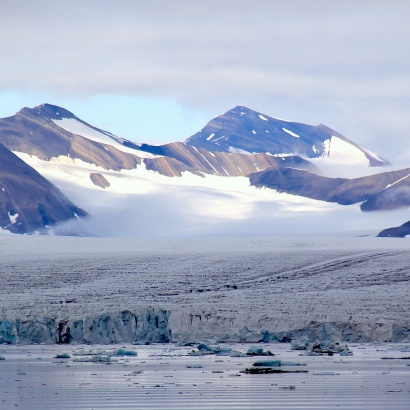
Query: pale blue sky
[
  {"x": 157, "y": 71},
  {"x": 140, "y": 119}
]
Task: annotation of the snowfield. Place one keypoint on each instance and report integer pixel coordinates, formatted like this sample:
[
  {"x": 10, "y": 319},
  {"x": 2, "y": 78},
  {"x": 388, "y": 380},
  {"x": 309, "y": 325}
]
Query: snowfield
[
  {"x": 343, "y": 160},
  {"x": 236, "y": 289},
  {"x": 144, "y": 203},
  {"x": 76, "y": 127}
]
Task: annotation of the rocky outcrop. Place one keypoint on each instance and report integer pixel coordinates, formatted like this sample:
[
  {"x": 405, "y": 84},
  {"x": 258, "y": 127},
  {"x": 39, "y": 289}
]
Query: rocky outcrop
[
  {"x": 178, "y": 157},
  {"x": 140, "y": 325},
  {"x": 99, "y": 180},
  {"x": 28, "y": 201},
  {"x": 370, "y": 189},
  {"x": 396, "y": 232},
  {"x": 394, "y": 196}
]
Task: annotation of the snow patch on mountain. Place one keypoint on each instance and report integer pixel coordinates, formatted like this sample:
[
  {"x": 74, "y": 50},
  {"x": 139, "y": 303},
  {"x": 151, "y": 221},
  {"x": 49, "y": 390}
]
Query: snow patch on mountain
[
  {"x": 77, "y": 127},
  {"x": 399, "y": 180},
  {"x": 234, "y": 150},
  {"x": 372, "y": 154},
  {"x": 291, "y": 133},
  {"x": 13, "y": 218},
  {"x": 341, "y": 151},
  {"x": 342, "y": 159}
]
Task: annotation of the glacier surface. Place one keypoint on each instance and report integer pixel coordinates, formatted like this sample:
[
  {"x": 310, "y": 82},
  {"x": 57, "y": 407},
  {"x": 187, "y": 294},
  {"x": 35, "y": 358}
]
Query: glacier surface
[{"x": 101, "y": 290}]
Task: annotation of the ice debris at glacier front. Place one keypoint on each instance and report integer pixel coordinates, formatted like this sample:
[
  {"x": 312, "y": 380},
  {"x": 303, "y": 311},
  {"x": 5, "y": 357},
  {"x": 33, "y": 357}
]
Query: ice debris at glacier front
[
  {"x": 94, "y": 359},
  {"x": 258, "y": 351},
  {"x": 320, "y": 347},
  {"x": 204, "y": 350}
]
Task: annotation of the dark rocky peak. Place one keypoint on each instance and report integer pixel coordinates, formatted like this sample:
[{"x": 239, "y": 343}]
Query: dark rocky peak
[
  {"x": 46, "y": 112},
  {"x": 33, "y": 131},
  {"x": 244, "y": 130}
]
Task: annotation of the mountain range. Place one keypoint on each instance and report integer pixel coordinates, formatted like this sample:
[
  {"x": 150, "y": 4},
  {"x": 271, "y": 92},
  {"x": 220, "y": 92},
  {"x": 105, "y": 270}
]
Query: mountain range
[{"x": 55, "y": 168}]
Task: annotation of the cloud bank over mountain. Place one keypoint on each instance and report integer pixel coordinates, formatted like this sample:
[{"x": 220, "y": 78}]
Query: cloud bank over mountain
[{"x": 343, "y": 64}]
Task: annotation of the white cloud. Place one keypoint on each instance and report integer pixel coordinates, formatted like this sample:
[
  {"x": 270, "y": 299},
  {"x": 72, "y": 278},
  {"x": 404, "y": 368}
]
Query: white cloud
[{"x": 343, "y": 64}]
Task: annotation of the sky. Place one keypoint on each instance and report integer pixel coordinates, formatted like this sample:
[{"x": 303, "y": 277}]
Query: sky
[{"x": 158, "y": 71}]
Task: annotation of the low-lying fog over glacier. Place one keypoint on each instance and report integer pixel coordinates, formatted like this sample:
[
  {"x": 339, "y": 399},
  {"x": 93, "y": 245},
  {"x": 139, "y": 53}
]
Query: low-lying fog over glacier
[{"x": 101, "y": 290}]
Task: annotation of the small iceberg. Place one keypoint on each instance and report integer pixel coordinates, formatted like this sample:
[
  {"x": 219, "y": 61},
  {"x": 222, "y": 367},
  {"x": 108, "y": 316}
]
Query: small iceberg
[
  {"x": 63, "y": 356},
  {"x": 94, "y": 359},
  {"x": 258, "y": 351},
  {"x": 123, "y": 352}
]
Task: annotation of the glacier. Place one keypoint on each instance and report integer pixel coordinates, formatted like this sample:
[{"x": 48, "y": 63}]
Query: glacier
[{"x": 225, "y": 289}]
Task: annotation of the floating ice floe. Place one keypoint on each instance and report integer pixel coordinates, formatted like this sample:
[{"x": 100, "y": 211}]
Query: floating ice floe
[
  {"x": 124, "y": 352},
  {"x": 94, "y": 359},
  {"x": 63, "y": 356},
  {"x": 204, "y": 350},
  {"x": 258, "y": 351},
  {"x": 317, "y": 348}
]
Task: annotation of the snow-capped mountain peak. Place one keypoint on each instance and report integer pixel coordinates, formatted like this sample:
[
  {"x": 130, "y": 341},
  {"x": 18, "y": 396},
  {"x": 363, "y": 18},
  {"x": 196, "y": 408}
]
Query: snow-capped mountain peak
[{"x": 250, "y": 131}]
